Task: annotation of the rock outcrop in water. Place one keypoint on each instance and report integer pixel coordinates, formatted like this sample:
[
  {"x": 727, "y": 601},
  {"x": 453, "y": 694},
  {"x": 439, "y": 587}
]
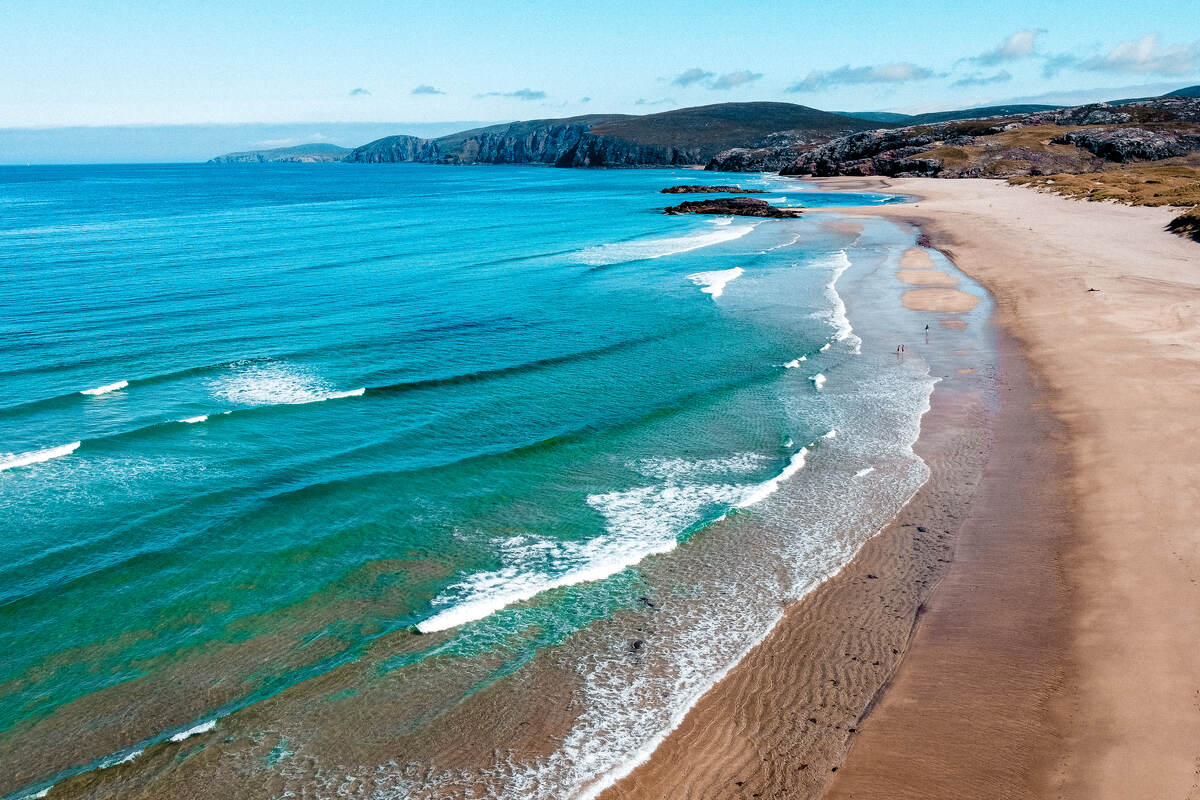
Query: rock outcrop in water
[
  {"x": 690, "y": 188},
  {"x": 733, "y": 206}
]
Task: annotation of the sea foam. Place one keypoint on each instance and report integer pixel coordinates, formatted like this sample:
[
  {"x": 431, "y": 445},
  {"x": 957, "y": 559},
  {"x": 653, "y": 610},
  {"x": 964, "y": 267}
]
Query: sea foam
[
  {"x": 843, "y": 329},
  {"x": 714, "y": 282},
  {"x": 642, "y": 249},
  {"x": 639, "y": 522},
  {"x": 36, "y": 456},
  {"x": 203, "y": 727},
  {"x": 274, "y": 383},
  {"x": 111, "y": 387}
]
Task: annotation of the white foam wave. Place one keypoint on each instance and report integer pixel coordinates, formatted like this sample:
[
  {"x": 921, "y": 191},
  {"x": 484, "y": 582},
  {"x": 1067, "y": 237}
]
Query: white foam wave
[
  {"x": 768, "y": 487},
  {"x": 274, "y": 383},
  {"x": 36, "y": 456},
  {"x": 194, "y": 420},
  {"x": 720, "y": 221},
  {"x": 639, "y": 522},
  {"x": 864, "y": 471},
  {"x": 674, "y": 470},
  {"x": 203, "y": 727},
  {"x": 788, "y": 243},
  {"x": 713, "y": 283},
  {"x": 111, "y": 387},
  {"x": 795, "y": 362},
  {"x": 352, "y": 393},
  {"x": 818, "y": 380},
  {"x": 841, "y": 323},
  {"x": 831, "y": 435},
  {"x": 642, "y": 249}
]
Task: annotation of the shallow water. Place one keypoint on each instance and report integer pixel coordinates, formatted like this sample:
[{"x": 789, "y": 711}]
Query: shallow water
[{"x": 265, "y": 422}]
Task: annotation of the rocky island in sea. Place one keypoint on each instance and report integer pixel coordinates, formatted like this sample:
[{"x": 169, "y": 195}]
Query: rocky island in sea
[{"x": 733, "y": 206}]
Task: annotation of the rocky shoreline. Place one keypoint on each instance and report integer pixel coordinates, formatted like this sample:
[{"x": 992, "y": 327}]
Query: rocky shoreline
[{"x": 1070, "y": 140}]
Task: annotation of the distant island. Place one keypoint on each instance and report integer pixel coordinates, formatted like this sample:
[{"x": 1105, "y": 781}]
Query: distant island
[{"x": 300, "y": 154}]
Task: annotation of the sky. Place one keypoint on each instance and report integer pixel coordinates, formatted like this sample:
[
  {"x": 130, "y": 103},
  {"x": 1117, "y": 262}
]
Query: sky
[{"x": 104, "y": 63}]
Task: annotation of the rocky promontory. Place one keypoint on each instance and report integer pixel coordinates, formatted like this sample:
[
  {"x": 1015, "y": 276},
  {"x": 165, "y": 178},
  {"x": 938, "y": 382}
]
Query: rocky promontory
[
  {"x": 1076, "y": 140},
  {"x": 690, "y": 188},
  {"x": 733, "y": 206}
]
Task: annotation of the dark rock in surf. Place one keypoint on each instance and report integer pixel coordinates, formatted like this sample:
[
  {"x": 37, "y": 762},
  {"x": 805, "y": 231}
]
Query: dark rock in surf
[
  {"x": 734, "y": 206},
  {"x": 696, "y": 189}
]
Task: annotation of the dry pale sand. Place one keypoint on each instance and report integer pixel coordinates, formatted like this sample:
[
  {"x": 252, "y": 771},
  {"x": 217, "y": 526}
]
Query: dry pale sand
[
  {"x": 940, "y": 300},
  {"x": 1057, "y": 656},
  {"x": 916, "y": 258},
  {"x": 1122, "y": 366}
]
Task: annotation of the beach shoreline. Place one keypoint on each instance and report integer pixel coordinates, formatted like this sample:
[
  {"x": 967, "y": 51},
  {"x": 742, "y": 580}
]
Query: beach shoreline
[{"x": 1047, "y": 661}]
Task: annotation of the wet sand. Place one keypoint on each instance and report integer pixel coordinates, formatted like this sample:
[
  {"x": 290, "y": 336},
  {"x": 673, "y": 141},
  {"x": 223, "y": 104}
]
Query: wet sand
[{"x": 1055, "y": 658}]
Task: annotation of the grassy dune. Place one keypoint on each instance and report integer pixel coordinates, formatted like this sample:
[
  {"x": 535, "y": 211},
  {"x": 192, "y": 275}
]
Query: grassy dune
[{"x": 1173, "y": 182}]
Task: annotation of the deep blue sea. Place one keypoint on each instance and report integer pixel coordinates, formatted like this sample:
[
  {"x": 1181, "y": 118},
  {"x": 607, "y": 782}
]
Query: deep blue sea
[{"x": 302, "y": 454}]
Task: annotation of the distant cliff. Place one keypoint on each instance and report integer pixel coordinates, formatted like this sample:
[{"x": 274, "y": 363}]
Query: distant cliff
[
  {"x": 685, "y": 137},
  {"x": 305, "y": 153},
  {"x": 554, "y": 145},
  {"x": 795, "y": 139}
]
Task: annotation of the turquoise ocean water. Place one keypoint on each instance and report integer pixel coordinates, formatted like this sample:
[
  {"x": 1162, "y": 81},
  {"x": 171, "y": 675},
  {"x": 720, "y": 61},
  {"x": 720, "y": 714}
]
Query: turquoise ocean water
[{"x": 281, "y": 444}]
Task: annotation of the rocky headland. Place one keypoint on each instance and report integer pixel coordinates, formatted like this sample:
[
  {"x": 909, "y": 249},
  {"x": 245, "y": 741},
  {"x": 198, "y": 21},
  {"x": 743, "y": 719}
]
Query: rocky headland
[{"x": 1066, "y": 140}]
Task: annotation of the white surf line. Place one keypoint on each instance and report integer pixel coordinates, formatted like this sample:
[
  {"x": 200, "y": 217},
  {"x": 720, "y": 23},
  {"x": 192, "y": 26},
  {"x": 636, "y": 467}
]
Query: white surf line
[
  {"x": 36, "y": 456},
  {"x": 110, "y": 387},
  {"x": 818, "y": 380},
  {"x": 771, "y": 485},
  {"x": 194, "y": 420},
  {"x": 475, "y": 609},
  {"x": 648, "y": 248},
  {"x": 713, "y": 283},
  {"x": 338, "y": 395},
  {"x": 644, "y": 753},
  {"x": 203, "y": 727}
]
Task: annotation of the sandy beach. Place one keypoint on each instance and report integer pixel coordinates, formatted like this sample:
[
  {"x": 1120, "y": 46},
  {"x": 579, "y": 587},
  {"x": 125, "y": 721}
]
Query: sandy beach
[{"x": 1051, "y": 655}]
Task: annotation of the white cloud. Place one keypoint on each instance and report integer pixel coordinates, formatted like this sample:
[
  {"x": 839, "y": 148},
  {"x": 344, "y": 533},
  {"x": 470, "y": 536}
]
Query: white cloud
[
  {"x": 1020, "y": 45},
  {"x": 1144, "y": 56},
  {"x": 979, "y": 79},
  {"x": 731, "y": 80},
  {"x": 688, "y": 77},
  {"x": 902, "y": 72}
]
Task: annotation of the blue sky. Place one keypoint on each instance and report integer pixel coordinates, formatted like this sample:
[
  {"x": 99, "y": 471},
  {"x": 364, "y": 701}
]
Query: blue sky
[{"x": 70, "y": 62}]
